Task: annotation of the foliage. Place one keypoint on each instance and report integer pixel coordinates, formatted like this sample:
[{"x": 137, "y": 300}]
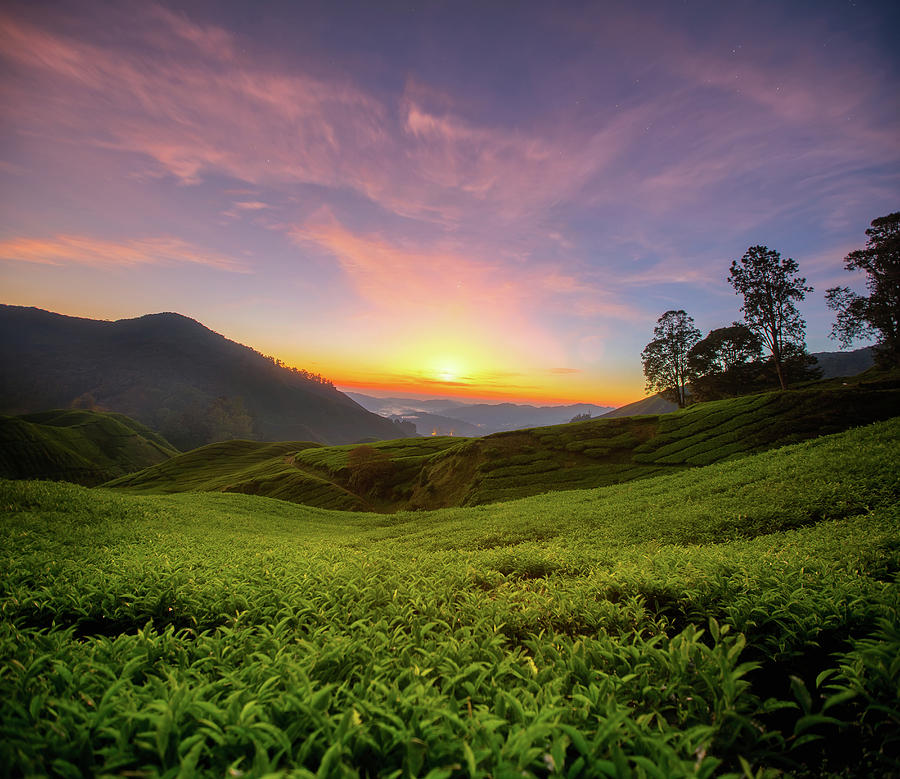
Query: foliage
[
  {"x": 722, "y": 363},
  {"x": 735, "y": 620},
  {"x": 665, "y": 357},
  {"x": 769, "y": 287},
  {"x": 877, "y": 314}
]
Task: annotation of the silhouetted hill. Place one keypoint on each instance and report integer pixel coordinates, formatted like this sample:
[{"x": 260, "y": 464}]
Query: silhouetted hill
[
  {"x": 85, "y": 447},
  {"x": 844, "y": 363},
  {"x": 174, "y": 375}
]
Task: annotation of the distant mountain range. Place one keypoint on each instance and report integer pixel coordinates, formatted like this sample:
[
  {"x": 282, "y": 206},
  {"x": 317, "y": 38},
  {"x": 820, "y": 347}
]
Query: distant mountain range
[
  {"x": 175, "y": 376},
  {"x": 455, "y": 417}
]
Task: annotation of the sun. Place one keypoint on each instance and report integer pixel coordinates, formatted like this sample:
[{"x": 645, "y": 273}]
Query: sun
[{"x": 447, "y": 369}]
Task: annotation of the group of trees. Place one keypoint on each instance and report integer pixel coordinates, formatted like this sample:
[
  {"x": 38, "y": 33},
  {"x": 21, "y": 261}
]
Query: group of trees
[
  {"x": 314, "y": 378},
  {"x": 768, "y": 348}
]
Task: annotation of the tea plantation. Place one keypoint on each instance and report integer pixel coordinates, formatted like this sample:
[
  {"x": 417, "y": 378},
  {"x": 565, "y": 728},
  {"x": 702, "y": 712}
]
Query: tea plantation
[
  {"x": 429, "y": 473},
  {"x": 737, "y": 619},
  {"x": 84, "y": 447}
]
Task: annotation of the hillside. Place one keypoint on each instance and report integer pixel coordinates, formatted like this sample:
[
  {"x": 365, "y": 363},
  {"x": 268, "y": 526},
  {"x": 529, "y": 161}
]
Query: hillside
[
  {"x": 173, "y": 375},
  {"x": 435, "y": 472},
  {"x": 738, "y": 619},
  {"x": 84, "y": 447},
  {"x": 247, "y": 467},
  {"x": 652, "y": 405},
  {"x": 849, "y": 363}
]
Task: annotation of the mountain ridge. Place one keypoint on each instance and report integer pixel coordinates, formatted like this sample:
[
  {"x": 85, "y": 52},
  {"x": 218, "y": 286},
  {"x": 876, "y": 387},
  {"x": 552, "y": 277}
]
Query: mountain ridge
[{"x": 173, "y": 374}]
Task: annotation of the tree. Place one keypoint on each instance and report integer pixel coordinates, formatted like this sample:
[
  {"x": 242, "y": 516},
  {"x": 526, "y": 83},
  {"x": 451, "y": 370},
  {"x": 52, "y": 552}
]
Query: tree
[
  {"x": 227, "y": 419},
  {"x": 725, "y": 362},
  {"x": 725, "y": 348},
  {"x": 877, "y": 314},
  {"x": 770, "y": 288},
  {"x": 665, "y": 357}
]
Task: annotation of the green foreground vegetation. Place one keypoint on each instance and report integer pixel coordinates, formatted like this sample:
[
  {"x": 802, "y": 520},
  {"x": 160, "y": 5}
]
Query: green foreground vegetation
[
  {"x": 739, "y": 619},
  {"x": 430, "y": 473}
]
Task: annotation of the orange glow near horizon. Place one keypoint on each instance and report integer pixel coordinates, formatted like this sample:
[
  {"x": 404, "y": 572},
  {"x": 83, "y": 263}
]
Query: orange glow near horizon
[
  {"x": 548, "y": 395},
  {"x": 448, "y": 367}
]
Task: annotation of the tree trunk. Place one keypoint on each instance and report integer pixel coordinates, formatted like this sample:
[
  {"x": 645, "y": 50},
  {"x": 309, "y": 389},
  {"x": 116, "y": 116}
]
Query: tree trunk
[{"x": 778, "y": 371}]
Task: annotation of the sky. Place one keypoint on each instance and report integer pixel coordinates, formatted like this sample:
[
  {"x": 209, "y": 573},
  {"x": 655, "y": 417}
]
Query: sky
[{"x": 482, "y": 199}]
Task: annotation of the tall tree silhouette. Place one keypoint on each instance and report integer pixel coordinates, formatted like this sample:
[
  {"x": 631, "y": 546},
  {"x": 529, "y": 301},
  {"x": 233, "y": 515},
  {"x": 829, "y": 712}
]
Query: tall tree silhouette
[
  {"x": 770, "y": 288},
  {"x": 665, "y": 357},
  {"x": 878, "y": 313}
]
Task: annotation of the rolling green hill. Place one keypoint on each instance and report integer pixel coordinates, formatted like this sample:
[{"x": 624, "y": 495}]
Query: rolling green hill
[
  {"x": 85, "y": 447},
  {"x": 738, "y": 619},
  {"x": 248, "y": 467},
  {"x": 442, "y": 471}
]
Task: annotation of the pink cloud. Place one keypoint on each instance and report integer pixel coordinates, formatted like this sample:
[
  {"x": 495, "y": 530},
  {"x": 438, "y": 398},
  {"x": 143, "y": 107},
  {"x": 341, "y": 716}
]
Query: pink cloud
[
  {"x": 192, "y": 102},
  {"x": 441, "y": 281},
  {"x": 85, "y": 250},
  {"x": 205, "y": 107}
]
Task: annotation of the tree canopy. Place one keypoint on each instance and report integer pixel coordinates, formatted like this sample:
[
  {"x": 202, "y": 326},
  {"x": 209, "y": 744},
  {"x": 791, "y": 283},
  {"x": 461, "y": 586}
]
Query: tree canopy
[
  {"x": 665, "y": 358},
  {"x": 770, "y": 289},
  {"x": 724, "y": 363},
  {"x": 878, "y": 313}
]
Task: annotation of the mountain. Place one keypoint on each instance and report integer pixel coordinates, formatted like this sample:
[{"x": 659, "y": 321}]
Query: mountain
[
  {"x": 399, "y": 406},
  {"x": 84, "y": 447},
  {"x": 498, "y": 417},
  {"x": 174, "y": 375},
  {"x": 481, "y": 418},
  {"x": 845, "y": 363},
  {"x": 437, "y": 424}
]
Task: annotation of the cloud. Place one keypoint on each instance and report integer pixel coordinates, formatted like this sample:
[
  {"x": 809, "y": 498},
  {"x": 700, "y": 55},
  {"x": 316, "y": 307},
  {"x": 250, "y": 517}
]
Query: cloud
[
  {"x": 452, "y": 281},
  {"x": 85, "y": 250},
  {"x": 493, "y": 214}
]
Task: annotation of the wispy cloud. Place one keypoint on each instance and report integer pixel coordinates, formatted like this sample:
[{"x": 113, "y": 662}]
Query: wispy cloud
[
  {"x": 86, "y": 250},
  {"x": 448, "y": 281}
]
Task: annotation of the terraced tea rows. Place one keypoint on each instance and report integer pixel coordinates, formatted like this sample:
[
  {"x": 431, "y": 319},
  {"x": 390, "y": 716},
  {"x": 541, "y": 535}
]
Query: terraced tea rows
[
  {"x": 438, "y": 472},
  {"x": 85, "y": 447}
]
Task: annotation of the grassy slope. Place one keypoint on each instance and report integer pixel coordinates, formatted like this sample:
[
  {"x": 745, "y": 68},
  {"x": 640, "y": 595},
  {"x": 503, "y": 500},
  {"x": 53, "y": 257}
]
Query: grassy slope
[
  {"x": 558, "y": 635},
  {"x": 85, "y": 447},
  {"x": 248, "y": 467},
  {"x": 439, "y": 472}
]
